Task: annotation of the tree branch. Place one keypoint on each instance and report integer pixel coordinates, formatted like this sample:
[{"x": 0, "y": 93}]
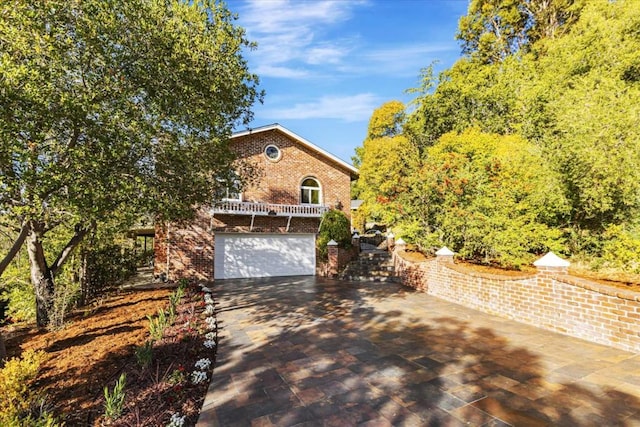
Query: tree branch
[
  {"x": 15, "y": 248},
  {"x": 75, "y": 240}
]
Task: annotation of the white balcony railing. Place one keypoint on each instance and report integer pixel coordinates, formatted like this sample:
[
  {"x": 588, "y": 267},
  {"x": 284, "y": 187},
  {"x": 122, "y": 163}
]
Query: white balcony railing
[{"x": 268, "y": 209}]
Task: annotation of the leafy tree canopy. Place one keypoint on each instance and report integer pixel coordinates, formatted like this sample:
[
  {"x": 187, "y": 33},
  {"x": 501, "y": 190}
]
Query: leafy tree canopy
[{"x": 119, "y": 105}]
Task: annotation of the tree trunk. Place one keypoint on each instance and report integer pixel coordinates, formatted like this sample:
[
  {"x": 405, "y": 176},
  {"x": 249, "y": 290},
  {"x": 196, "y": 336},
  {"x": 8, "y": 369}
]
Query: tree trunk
[
  {"x": 41, "y": 276},
  {"x": 17, "y": 244},
  {"x": 3, "y": 351}
]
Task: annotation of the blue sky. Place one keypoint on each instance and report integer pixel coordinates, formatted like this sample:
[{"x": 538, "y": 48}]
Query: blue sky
[{"x": 326, "y": 65}]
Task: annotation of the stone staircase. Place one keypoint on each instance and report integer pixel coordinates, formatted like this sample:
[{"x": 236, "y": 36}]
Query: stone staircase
[{"x": 371, "y": 266}]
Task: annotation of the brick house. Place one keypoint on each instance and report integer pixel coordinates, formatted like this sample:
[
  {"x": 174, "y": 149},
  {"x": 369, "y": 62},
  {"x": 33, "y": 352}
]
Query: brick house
[{"x": 270, "y": 228}]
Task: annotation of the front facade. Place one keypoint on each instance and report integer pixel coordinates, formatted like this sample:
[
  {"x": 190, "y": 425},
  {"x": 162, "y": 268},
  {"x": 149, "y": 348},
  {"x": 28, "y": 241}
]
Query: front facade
[{"x": 270, "y": 228}]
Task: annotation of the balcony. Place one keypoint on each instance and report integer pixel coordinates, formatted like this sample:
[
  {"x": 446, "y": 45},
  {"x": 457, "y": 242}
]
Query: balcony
[{"x": 268, "y": 209}]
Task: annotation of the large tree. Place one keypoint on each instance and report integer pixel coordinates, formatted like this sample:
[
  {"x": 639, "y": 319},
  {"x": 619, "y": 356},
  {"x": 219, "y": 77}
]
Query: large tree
[{"x": 113, "y": 105}]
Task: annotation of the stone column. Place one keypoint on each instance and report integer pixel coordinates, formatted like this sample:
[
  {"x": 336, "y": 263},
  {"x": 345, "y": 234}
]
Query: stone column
[{"x": 400, "y": 245}]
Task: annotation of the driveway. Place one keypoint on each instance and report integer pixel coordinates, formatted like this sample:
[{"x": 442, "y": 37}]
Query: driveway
[{"x": 318, "y": 352}]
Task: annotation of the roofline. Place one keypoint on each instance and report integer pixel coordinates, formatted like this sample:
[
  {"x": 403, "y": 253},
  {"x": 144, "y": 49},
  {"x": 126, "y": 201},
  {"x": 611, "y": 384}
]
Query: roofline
[{"x": 276, "y": 126}]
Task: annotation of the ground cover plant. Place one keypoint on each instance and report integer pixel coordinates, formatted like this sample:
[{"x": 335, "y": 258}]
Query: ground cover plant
[{"x": 104, "y": 368}]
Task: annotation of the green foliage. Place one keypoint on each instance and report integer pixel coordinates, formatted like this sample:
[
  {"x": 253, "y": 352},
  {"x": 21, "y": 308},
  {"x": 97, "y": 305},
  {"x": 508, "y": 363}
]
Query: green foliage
[
  {"x": 114, "y": 401},
  {"x": 144, "y": 354},
  {"x": 19, "y": 296},
  {"x": 387, "y": 159},
  {"x": 562, "y": 75},
  {"x": 620, "y": 249},
  {"x": 158, "y": 324},
  {"x": 489, "y": 198},
  {"x": 494, "y": 29},
  {"x": 174, "y": 300},
  {"x": 107, "y": 265},
  {"x": 19, "y": 404},
  {"x": 114, "y": 109},
  {"x": 334, "y": 226}
]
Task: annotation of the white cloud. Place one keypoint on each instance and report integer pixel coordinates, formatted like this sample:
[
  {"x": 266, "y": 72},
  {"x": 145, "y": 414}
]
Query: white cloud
[
  {"x": 350, "y": 108},
  {"x": 290, "y": 34}
]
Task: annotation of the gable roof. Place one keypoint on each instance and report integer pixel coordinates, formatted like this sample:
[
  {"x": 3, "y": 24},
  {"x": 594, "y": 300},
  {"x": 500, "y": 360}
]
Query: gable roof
[{"x": 275, "y": 126}]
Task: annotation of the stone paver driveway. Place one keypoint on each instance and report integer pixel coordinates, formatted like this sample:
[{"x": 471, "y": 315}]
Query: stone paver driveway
[{"x": 312, "y": 352}]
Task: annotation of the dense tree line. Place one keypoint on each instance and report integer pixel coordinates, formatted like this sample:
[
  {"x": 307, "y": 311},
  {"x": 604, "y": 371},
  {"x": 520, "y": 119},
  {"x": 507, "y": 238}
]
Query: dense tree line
[{"x": 529, "y": 142}]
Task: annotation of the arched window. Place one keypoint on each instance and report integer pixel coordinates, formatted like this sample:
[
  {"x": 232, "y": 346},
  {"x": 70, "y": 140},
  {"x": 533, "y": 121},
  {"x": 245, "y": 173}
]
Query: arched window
[{"x": 310, "y": 192}]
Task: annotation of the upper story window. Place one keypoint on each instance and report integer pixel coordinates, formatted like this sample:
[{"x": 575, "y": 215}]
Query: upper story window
[
  {"x": 230, "y": 189},
  {"x": 272, "y": 152},
  {"x": 310, "y": 192}
]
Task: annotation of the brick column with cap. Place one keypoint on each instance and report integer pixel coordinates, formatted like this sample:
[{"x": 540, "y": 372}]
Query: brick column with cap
[
  {"x": 445, "y": 255},
  {"x": 332, "y": 249},
  {"x": 552, "y": 264}
]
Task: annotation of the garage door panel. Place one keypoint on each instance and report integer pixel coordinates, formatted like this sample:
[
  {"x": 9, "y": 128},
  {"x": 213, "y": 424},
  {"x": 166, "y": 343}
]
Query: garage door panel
[{"x": 264, "y": 255}]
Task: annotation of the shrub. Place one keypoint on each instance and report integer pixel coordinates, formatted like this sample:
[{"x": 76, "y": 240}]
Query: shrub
[
  {"x": 18, "y": 293},
  {"x": 114, "y": 402},
  {"x": 20, "y": 405},
  {"x": 335, "y": 226},
  {"x": 621, "y": 249}
]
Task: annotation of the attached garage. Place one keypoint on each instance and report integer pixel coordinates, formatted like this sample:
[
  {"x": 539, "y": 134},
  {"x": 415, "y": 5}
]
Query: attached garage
[{"x": 264, "y": 255}]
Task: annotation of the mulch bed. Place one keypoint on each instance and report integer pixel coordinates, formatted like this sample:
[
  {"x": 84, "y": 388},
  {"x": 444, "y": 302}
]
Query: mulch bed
[{"x": 98, "y": 344}]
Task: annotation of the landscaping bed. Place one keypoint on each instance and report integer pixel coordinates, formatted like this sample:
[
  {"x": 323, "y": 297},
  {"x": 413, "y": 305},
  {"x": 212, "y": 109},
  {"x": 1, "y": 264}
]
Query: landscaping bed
[
  {"x": 99, "y": 343},
  {"x": 618, "y": 279}
]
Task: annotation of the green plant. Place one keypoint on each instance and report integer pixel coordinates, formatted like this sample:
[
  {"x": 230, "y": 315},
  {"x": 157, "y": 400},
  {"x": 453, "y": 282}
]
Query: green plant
[
  {"x": 174, "y": 300},
  {"x": 144, "y": 354},
  {"x": 335, "y": 226},
  {"x": 114, "y": 401},
  {"x": 157, "y": 325},
  {"x": 176, "y": 376},
  {"x": 19, "y": 404}
]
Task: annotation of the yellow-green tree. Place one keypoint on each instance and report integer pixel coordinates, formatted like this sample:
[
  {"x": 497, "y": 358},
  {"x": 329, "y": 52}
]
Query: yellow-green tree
[{"x": 386, "y": 159}]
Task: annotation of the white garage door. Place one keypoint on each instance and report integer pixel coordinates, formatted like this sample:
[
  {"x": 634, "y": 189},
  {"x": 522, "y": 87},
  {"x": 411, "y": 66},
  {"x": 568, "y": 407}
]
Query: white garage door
[{"x": 264, "y": 255}]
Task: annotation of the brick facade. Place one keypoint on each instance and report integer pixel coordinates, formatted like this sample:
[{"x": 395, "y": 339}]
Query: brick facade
[
  {"x": 548, "y": 300},
  {"x": 190, "y": 248},
  {"x": 282, "y": 179}
]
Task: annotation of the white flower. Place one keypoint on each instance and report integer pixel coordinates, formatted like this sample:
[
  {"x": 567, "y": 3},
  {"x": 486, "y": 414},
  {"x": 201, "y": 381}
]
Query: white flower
[
  {"x": 211, "y": 322},
  {"x": 198, "y": 376},
  {"x": 203, "y": 364},
  {"x": 210, "y": 336},
  {"x": 205, "y": 289},
  {"x": 176, "y": 420},
  {"x": 208, "y": 299},
  {"x": 209, "y": 310},
  {"x": 210, "y": 343}
]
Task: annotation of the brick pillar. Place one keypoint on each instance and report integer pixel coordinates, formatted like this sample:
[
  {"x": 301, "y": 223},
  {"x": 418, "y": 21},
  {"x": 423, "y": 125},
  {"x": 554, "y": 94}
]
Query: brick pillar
[
  {"x": 445, "y": 255},
  {"x": 552, "y": 264},
  {"x": 332, "y": 249},
  {"x": 400, "y": 245}
]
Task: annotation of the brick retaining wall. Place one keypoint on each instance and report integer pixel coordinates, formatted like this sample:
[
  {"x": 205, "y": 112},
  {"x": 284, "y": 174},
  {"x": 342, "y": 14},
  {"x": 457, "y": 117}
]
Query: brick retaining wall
[{"x": 556, "y": 302}]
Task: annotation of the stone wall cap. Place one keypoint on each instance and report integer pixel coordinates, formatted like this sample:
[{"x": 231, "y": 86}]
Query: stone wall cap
[
  {"x": 332, "y": 243},
  {"x": 445, "y": 251},
  {"x": 400, "y": 242},
  {"x": 551, "y": 260}
]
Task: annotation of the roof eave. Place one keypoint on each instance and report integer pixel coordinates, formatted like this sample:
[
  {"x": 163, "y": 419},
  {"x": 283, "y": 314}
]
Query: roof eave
[{"x": 353, "y": 171}]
